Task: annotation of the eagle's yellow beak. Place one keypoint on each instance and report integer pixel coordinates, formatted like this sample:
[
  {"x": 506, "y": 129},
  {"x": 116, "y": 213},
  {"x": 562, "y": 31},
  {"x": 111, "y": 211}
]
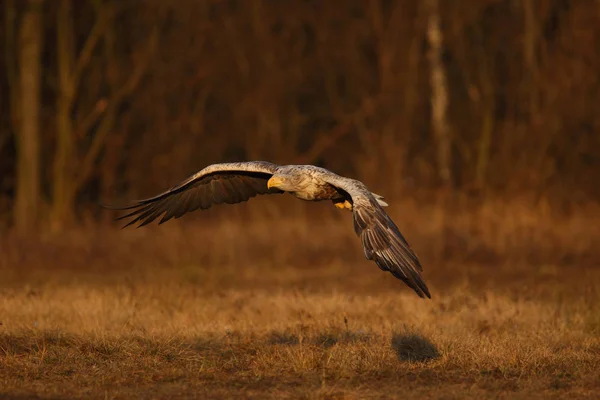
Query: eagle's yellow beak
[{"x": 275, "y": 181}]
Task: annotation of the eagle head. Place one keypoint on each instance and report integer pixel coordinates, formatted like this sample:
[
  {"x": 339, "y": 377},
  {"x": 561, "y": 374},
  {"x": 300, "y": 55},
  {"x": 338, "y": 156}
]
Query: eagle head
[
  {"x": 282, "y": 182},
  {"x": 290, "y": 179}
]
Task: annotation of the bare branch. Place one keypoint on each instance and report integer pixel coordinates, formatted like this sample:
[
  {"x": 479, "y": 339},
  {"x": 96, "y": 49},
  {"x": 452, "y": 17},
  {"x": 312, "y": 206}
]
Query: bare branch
[
  {"x": 238, "y": 51},
  {"x": 92, "y": 117},
  {"x": 85, "y": 56},
  {"x": 139, "y": 70},
  {"x": 323, "y": 142},
  {"x": 113, "y": 106}
]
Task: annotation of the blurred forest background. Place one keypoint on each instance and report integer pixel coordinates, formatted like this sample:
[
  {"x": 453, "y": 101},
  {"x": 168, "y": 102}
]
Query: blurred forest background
[
  {"x": 108, "y": 100},
  {"x": 478, "y": 120}
]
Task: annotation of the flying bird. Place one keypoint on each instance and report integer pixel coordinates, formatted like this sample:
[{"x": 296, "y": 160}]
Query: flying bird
[{"x": 232, "y": 183}]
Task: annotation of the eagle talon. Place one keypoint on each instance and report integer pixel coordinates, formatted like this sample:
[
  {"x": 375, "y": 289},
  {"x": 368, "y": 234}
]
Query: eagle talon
[
  {"x": 346, "y": 205},
  {"x": 341, "y": 206}
]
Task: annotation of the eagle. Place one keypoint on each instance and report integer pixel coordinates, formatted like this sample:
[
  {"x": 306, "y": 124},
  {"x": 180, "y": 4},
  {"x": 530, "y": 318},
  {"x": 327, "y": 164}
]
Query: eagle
[{"x": 237, "y": 182}]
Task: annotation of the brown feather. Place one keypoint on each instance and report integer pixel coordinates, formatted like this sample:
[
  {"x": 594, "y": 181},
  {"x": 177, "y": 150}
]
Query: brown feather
[
  {"x": 228, "y": 187},
  {"x": 384, "y": 244}
]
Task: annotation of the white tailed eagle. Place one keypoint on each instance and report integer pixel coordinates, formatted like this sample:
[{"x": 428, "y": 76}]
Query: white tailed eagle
[{"x": 232, "y": 183}]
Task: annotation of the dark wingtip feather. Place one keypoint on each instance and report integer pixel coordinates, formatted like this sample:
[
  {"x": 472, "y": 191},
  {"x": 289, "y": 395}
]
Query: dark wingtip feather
[
  {"x": 423, "y": 291},
  {"x": 384, "y": 244},
  {"x": 196, "y": 192},
  {"x": 120, "y": 208},
  {"x": 129, "y": 224},
  {"x": 136, "y": 205},
  {"x": 413, "y": 281}
]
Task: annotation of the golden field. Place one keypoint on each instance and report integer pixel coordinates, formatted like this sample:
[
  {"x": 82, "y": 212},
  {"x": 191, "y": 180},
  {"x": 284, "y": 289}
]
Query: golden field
[{"x": 250, "y": 301}]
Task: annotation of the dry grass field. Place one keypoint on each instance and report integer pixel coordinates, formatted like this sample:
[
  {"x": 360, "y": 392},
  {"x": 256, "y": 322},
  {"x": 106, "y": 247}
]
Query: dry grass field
[{"x": 284, "y": 305}]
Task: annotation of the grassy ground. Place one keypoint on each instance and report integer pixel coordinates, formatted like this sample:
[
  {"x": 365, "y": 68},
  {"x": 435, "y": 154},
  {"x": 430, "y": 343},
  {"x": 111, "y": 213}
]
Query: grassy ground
[{"x": 285, "y": 306}]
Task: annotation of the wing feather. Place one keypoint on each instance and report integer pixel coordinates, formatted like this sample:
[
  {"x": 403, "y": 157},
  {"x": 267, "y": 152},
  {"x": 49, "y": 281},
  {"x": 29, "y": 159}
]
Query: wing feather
[
  {"x": 228, "y": 183},
  {"x": 384, "y": 244},
  {"x": 381, "y": 239}
]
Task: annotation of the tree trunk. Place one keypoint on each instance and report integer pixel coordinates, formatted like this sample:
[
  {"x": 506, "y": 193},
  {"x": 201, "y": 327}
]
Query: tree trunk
[
  {"x": 485, "y": 141},
  {"x": 62, "y": 177},
  {"x": 28, "y": 138},
  {"x": 487, "y": 105},
  {"x": 71, "y": 171},
  {"x": 62, "y": 200},
  {"x": 529, "y": 50},
  {"x": 439, "y": 93}
]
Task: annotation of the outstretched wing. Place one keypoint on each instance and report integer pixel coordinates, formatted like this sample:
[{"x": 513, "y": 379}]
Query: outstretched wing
[
  {"x": 228, "y": 183},
  {"x": 381, "y": 239}
]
